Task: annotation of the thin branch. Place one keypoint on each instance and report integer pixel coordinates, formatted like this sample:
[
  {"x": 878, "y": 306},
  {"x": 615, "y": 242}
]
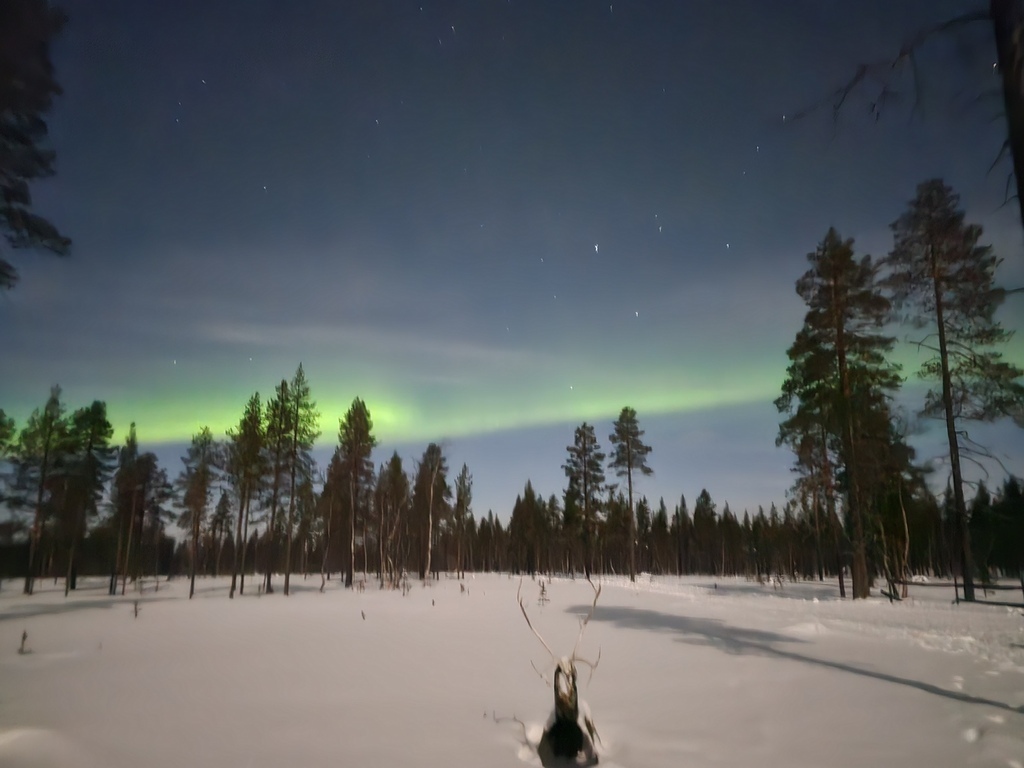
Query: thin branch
[{"x": 522, "y": 607}]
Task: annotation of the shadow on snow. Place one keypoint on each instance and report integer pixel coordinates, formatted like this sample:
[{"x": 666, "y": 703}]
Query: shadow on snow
[{"x": 730, "y": 639}]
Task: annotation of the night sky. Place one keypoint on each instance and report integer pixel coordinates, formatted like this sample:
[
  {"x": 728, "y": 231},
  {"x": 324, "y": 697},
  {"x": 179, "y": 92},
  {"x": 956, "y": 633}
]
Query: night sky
[{"x": 490, "y": 220}]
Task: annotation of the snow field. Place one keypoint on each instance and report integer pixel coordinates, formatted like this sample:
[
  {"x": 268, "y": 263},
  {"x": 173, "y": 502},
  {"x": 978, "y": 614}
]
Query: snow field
[{"x": 693, "y": 672}]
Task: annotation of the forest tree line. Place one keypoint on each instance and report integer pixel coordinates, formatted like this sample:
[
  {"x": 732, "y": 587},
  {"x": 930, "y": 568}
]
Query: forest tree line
[{"x": 253, "y": 502}]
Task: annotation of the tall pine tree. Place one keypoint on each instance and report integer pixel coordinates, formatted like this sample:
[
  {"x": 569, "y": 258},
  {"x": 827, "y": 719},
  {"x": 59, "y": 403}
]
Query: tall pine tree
[
  {"x": 196, "y": 484},
  {"x": 246, "y": 469},
  {"x": 40, "y": 448},
  {"x": 304, "y": 429},
  {"x": 945, "y": 281},
  {"x": 839, "y": 370},
  {"x": 629, "y": 455},
  {"x": 355, "y": 445},
  {"x": 89, "y": 463}
]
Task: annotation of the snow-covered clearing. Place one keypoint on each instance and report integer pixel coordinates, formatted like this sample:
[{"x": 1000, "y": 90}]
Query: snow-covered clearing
[{"x": 691, "y": 674}]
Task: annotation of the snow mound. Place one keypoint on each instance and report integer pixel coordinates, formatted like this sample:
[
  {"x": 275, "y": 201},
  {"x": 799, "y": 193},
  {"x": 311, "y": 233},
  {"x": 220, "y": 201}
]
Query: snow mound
[
  {"x": 40, "y": 748},
  {"x": 807, "y": 629}
]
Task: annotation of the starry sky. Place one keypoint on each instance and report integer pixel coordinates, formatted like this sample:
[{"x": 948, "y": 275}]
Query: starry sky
[{"x": 490, "y": 219}]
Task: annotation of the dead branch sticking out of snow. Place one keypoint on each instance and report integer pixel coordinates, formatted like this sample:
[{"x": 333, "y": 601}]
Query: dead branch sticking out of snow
[{"x": 570, "y": 733}]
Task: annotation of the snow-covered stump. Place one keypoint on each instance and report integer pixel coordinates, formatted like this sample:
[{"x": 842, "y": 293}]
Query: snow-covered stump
[{"x": 569, "y": 737}]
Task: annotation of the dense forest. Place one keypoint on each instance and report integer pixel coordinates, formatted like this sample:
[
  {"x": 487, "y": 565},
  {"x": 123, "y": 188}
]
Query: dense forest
[{"x": 254, "y": 504}]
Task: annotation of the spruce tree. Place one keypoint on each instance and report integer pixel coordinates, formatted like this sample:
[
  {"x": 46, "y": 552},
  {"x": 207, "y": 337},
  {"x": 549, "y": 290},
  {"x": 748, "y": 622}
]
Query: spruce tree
[
  {"x": 945, "y": 281},
  {"x": 585, "y": 468},
  {"x": 463, "y": 516}
]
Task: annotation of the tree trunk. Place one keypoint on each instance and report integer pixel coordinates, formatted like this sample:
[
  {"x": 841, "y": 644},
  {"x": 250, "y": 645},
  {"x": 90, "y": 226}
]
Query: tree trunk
[
  {"x": 195, "y": 554},
  {"x": 69, "y": 578},
  {"x": 959, "y": 505},
  {"x": 350, "y": 570},
  {"x": 112, "y": 588},
  {"x": 632, "y": 518},
  {"x": 830, "y": 510},
  {"x": 128, "y": 544},
  {"x": 430, "y": 532},
  {"x": 239, "y": 552}
]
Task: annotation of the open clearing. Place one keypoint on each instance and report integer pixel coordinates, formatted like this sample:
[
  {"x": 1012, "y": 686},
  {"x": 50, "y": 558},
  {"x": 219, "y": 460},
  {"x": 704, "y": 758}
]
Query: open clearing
[{"x": 693, "y": 672}]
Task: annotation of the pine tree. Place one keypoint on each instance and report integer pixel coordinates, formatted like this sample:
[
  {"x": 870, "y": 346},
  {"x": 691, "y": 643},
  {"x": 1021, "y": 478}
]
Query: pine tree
[
  {"x": 629, "y": 455},
  {"x": 304, "y": 429},
  {"x": 944, "y": 280},
  {"x": 585, "y": 469},
  {"x": 430, "y": 495},
  {"x": 157, "y": 494},
  {"x": 572, "y": 525},
  {"x": 839, "y": 373},
  {"x": 355, "y": 445},
  {"x": 89, "y": 462},
  {"x": 27, "y": 88},
  {"x": 124, "y": 498},
  {"x": 392, "y": 497},
  {"x": 40, "y": 447},
  {"x": 196, "y": 484},
  {"x": 277, "y": 430},
  {"x": 246, "y": 469}
]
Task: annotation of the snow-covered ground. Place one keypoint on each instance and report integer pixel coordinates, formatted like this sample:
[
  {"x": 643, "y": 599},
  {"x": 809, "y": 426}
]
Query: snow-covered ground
[{"x": 693, "y": 672}]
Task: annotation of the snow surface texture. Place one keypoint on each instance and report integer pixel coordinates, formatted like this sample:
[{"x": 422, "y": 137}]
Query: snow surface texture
[{"x": 693, "y": 672}]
